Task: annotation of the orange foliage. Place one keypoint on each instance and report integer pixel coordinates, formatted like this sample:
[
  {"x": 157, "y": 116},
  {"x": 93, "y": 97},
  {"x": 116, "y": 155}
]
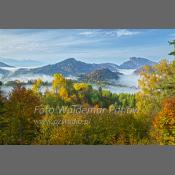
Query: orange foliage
[{"x": 164, "y": 123}]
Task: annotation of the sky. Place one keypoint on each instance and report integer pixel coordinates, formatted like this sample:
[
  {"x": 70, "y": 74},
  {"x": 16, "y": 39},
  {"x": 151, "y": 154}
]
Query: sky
[{"x": 88, "y": 45}]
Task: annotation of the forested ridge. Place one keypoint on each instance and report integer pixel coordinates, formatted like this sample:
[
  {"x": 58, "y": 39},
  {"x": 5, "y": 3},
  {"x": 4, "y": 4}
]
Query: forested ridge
[{"x": 92, "y": 116}]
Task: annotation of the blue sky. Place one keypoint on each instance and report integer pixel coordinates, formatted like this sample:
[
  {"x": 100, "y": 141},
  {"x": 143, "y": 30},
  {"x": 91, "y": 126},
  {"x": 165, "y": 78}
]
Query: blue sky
[{"x": 89, "y": 45}]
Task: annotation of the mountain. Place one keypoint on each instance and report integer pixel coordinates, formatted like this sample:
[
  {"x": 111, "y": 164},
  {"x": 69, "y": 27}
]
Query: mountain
[
  {"x": 4, "y": 72},
  {"x": 4, "y": 65},
  {"x": 22, "y": 71},
  {"x": 110, "y": 66},
  {"x": 136, "y": 63},
  {"x": 68, "y": 67},
  {"x": 20, "y": 63},
  {"x": 100, "y": 75},
  {"x": 73, "y": 67}
]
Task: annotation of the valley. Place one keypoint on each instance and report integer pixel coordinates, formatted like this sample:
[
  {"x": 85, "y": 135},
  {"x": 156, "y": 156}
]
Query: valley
[{"x": 109, "y": 76}]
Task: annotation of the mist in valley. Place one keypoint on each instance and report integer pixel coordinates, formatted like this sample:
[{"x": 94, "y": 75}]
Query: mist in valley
[{"x": 126, "y": 83}]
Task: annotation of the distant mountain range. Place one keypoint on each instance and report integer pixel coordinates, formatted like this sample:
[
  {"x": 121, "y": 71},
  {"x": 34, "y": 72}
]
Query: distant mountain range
[
  {"x": 136, "y": 63},
  {"x": 4, "y": 65},
  {"x": 20, "y": 63},
  {"x": 73, "y": 67},
  {"x": 68, "y": 67}
]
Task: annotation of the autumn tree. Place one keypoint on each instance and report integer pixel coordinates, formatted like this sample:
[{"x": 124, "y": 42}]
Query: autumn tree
[
  {"x": 156, "y": 83},
  {"x": 37, "y": 85},
  {"x": 3, "y": 118},
  {"x": 164, "y": 123},
  {"x": 64, "y": 94},
  {"x": 58, "y": 82},
  {"x": 21, "y": 114},
  {"x": 83, "y": 91},
  {"x": 1, "y": 100}
]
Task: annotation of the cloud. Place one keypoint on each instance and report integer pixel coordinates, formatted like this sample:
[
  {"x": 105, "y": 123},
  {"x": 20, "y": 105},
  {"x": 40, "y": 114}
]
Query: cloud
[
  {"x": 13, "y": 42},
  {"x": 88, "y": 44},
  {"x": 109, "y": 33},
  {"x": 87, "y": 33},
  {"x": 124, "y": 32}
]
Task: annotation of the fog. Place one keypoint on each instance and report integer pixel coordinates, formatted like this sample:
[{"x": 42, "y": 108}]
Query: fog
[
  {"x": 25, "y": 78},
  {"x": 127, "y": 82}
]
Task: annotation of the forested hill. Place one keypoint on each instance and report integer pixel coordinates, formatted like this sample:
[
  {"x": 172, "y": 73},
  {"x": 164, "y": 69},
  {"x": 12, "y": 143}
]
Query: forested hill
[{"x": 100, "y": 75}]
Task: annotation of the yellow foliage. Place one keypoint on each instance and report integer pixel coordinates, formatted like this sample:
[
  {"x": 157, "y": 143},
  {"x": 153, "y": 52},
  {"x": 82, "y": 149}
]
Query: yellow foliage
[
  {"x": 63, "y": 92},
  {"x": 57, "y": 82},
  {"x": 71, "y": 131},
  {"x": 37, "y": 85},
  {"x": 82, "y": 86},
  {"x": 155, "y": 84}
]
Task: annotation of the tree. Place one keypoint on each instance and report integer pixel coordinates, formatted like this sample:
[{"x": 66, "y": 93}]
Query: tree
[
  {"x": 164, "y": 123},
  {"x": 58, "y": 82},
  {"x": 21, "y": 114},
  {"x": 156, "y": 83},
  {"x": 82, "y": 87},
  {"x": 37, "y": 85},
  {"x": 95, "y": 98},
  {"x": 3, "y": 118},
  {"x": 63, "y": 93},
  {"x": 172, "y": 43},
  {"x": 83, "y": 92}
]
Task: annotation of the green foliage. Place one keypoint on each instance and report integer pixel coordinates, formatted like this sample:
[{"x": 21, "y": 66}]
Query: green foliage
[{"x": 172, "y": 43}]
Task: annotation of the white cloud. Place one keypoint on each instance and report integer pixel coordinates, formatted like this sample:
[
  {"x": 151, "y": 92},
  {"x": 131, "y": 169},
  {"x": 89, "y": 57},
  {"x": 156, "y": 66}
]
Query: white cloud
[
  {"x": 87, "y": 44},
  {"x": 120, "y": 33},
  {"x": 12, "y": 44},
  {"x": 109, "y": 33},
  {"x": 125, "y": 32},
  {"x": 87, "y": 33}
]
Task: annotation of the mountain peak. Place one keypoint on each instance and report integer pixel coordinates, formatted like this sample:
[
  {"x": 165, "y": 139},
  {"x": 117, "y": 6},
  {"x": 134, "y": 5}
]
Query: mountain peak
[
  {"x": 138, "y": 59},
  {"x": 70, "y": 59},
  {"x": 136, "y": 62},
  {"x": 134, "y": 58}
]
